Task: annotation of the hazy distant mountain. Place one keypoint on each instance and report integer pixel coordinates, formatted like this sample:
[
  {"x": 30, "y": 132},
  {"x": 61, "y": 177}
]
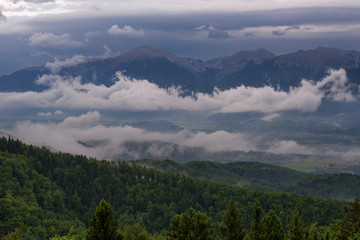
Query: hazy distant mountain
[
  {"x": 250, "y": 68},
  {"x": 230, "y": 65},
  {"x": 289, "y": 69}
]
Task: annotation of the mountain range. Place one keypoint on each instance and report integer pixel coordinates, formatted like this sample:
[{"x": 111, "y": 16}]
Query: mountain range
[{"x": 256, "y": 68}]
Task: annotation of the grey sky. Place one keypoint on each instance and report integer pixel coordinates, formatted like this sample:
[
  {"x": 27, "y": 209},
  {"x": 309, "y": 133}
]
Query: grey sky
[{"x": 36, "y": 31}]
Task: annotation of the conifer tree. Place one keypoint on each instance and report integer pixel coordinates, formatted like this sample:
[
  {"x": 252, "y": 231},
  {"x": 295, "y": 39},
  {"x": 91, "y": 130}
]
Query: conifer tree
[
  {"x": 352, "y": 226},
  {"x": 273, "y": 229},
  {"x": 298, "y": 230},
  {"x": 313, "y": 232},
  {"x": 191, "y": 225},
  {"x": 102, "y": 223},
  {"x": 16, "y": 235},
  {"x": 232, "y": 227},
  {"x": 256, "y": 231}
]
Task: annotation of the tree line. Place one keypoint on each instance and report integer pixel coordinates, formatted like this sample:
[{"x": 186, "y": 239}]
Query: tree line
[{"x": 193, "y": 225}]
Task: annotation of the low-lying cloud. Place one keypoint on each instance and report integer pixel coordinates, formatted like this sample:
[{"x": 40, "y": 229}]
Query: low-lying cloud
[
  {"x": 290, "y": 147},
  {"x": 73, "y": 61},
  {"x": 141, "y": 95},
  {"x": 86, "y": 135},
  {"x": 58, "y": 64},
  {"x": 74, "y": 134}
]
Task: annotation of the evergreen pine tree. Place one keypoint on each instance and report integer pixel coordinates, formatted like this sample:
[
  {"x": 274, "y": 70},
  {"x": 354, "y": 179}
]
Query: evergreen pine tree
[
  {"x": 191, "y": 225},
  {"x": 273, "y": 229},
  {"x": 352, "y": 226},
  {"x": 232, "y": 227},
  {"x": 16, "y": 235},
  {"x": 313, "y": 232},
  {"x": 257, "y": 231},
  {"x": 298, "y": 230},
  {"x": 102, "y": 224},
  {"x": 327, "y": 235}
]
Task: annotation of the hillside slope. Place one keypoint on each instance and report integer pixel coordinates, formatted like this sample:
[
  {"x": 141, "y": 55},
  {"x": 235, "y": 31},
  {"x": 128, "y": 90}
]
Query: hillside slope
[{"x": 266, "y": 177}]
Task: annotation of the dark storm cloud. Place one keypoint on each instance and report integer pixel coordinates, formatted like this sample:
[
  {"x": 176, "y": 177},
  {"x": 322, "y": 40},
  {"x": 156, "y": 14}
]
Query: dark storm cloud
[
  {"x": 178, "y": 34},
  {"x": 235, "y": 21},
  {"x": 227, "y": 21}
]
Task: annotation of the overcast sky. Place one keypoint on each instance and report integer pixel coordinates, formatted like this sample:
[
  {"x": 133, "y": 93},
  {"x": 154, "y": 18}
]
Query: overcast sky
[{"x": 33, "y": 32}]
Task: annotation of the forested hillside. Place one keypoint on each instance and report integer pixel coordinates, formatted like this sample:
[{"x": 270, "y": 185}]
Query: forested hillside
[
  {"x": 263, "y": 176},
  {"x": 44, "y": 194},
  {"x": 253, "y": 175}
]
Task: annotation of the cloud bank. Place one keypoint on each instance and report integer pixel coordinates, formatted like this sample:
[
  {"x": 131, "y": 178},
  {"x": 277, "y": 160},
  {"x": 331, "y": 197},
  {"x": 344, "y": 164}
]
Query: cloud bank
[
  {"x": 86, "y": 135},
  {"x": 141, "y": 95},
  {"x": 75, "y": 134}
]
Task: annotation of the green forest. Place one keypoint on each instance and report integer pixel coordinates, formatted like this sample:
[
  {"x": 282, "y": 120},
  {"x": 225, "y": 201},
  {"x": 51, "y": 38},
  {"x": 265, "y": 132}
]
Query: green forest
[
  {"x": 266, "y": 177},
  {"x": 47, "y": 195}
]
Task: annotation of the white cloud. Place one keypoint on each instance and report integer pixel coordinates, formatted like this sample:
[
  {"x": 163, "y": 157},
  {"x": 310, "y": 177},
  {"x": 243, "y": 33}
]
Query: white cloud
[
  {"x": 58, "y": 112},
  {"x": 201, "y": 28},
  {"x": 56, "y": 66},
  {"x": 211, "y": 141},
  {"x": 83, "y": 121},
  {"x": 141, "y": 95},
  {"x": 44, "y": 114},
  {"x": 270, "y": 117},
  {"x": 125, "y": 31},
  {"x": 107, "y": 53},
  {"x": 336, "y": 87},
  {"x": 289, "y": 147},
  {"x": 44, "y": 39}
]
